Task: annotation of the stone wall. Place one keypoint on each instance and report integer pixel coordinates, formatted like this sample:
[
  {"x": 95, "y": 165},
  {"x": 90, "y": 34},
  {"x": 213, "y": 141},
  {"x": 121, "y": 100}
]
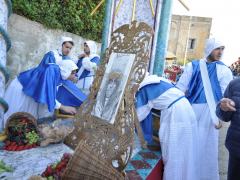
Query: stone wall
[{"x": 31, "y": 40}]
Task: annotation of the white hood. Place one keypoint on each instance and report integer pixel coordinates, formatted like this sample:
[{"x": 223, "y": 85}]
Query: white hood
[
  {"x": 93, "y": 49},
  {"x": 211, "y": 44},
  {"x": 63, "y": 40}
]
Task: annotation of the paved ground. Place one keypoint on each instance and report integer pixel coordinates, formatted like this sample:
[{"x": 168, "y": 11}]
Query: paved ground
[
  {"x": 31, "y": 162},
  {"x": 223, "y": 153}
]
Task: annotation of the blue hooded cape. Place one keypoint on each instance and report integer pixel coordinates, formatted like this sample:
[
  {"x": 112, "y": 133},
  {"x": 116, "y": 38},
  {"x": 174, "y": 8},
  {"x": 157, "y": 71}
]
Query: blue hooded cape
[
  {"x": 145, "y": 94},
  {"x": 41, "y": 83}
]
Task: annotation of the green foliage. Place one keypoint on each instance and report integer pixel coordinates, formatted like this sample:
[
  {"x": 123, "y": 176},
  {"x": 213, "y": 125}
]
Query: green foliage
[
  {"x": 4, "y": 167},
  {"x": 69, "y": 15}
]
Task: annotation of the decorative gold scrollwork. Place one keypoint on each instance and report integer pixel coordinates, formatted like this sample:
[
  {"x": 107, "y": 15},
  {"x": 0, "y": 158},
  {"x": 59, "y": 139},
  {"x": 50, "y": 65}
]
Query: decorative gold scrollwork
[{"x": 113, "y": 142}]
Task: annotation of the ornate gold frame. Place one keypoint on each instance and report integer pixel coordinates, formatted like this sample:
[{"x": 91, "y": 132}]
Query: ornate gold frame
[{"x": 114, "y": 141}]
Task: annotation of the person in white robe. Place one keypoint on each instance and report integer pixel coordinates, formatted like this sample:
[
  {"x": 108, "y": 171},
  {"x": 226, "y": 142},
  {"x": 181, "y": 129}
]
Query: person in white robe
[
  {"x": 204, "y": 82},
  {"x": 87, "y": 65},
  {"x": 177, "y": 133},
  {"x": 39, "y": 95}
]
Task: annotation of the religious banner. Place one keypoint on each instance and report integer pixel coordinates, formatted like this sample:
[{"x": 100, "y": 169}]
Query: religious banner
[
  {"x": 148, "y": 11},
  {"x": 126, "y": 11}
]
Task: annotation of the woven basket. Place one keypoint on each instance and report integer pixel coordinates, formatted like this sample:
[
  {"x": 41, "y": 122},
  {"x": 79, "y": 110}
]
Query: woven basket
[
  {"x": 85, "y": 165},
  {"x": 14, "y": 118}
]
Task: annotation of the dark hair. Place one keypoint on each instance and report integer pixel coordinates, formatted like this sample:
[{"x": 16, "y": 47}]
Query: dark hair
[{"x": 68, "y": 42}]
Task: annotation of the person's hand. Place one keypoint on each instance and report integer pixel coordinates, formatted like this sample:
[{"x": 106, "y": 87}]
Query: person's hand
[
  {"x": 81, "y": 55},
  {"x": 68, "y": 109},
  {"x": 227, "y": 104},
  {"x": 219, "y": 125}
]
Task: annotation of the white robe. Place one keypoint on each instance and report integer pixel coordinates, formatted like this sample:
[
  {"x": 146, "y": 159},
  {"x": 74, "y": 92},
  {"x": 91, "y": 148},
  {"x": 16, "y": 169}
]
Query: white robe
[
  {"x": 85, "y": 83},
  {"x": 19, "y": 102},
  {"x": 208, "y": 134},
  {"x": 177, "y": 134}
]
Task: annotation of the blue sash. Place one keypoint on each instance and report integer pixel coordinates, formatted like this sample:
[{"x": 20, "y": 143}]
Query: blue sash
[
  {"x": 195, "y": 93},
  {"x": 150, "y": 92}
]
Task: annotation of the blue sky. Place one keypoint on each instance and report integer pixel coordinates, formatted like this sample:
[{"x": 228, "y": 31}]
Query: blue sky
[{"x": 225, "y": 24}]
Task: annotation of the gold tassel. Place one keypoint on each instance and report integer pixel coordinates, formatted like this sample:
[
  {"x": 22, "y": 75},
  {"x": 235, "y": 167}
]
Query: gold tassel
[
  {"x": 96, "y": 8},
  {"x": 118, "y": 6},
  {"x": 152, "y": 8},
  {"x": 134, "y": 9}
]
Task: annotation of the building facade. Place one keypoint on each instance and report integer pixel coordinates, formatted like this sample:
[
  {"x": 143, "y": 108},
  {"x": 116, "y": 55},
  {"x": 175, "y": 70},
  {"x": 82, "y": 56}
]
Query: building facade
[{"x": 188, "y": 35}]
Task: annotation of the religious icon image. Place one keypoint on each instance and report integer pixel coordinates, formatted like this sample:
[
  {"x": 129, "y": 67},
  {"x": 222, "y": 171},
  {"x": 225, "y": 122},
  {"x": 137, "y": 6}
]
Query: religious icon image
[{"x": 113, "y": 85}]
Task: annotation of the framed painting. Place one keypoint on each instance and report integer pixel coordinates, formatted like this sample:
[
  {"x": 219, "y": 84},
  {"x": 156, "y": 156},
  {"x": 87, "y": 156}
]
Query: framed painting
[{"x": 113, "y": 86}]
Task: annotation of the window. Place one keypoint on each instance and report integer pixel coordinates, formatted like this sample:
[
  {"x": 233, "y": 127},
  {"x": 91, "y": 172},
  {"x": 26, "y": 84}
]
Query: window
[{"x": 191, "y": 43}]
